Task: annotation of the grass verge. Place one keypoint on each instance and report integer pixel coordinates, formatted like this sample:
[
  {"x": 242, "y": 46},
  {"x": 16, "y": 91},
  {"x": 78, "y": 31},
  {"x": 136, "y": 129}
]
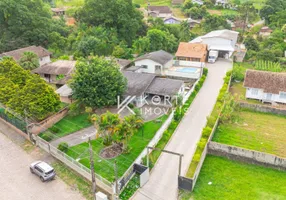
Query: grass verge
[
  {"x": 253, "y": 131},
  {"x": 221, "y": 178}
]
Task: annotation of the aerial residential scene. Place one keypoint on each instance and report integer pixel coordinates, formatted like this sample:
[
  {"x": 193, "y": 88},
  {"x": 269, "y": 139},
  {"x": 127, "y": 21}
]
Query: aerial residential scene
[{"x": 143, "y": 99}]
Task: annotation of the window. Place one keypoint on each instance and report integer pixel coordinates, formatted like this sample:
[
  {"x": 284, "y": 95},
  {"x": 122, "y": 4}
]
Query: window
[
  {"x": 144, "y": 66},
  {"x": 254, "y": 91},
  {"x": 282, "y": 95}
]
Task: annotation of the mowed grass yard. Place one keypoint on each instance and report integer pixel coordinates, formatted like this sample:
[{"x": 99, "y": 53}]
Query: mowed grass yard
[
  {"x": 104, "y": 167},
  {"x": 144, "y": 3},
  {"x": 232, "y": 180},
  {"x": 256, "y": 131}
]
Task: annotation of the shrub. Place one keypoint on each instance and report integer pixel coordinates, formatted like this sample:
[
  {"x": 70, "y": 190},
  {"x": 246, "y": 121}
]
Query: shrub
[
  {"x": 238, "y": 72},
  {"x": 205, "y": 71},
  {"x": 54, "y": 129},
  {"x": 178, "y": 114},
  {"x": 63, "y": 146},
  {"x": 48, "y": 136},
  {"x": 206, "y": 132}
]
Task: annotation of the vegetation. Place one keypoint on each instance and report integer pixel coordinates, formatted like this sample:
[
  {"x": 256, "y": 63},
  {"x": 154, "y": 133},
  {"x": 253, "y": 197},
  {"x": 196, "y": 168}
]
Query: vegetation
[
  {"x": 63, "y": 146},
  {"x": 233, "y": 180},
  {"x": 218, "y": 108},
  {"x": 86, "y": 88},
  {"x": 131, "y": 188},
  {"x": 29, "y": 61},
  {"x": 26, "y": 93},
  {"x": 252, "y": 131},
  {"x": 67, "y": 125},
  {"x": 104, "y": 167}
]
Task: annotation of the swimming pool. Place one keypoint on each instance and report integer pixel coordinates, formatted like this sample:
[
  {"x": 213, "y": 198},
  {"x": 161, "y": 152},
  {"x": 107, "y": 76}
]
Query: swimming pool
[{"x": 187, "y": 70}]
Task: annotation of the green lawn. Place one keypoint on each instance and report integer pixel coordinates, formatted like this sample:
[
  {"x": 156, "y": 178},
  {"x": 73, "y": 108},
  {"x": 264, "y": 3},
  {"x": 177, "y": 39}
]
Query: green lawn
[
  {"x": 257, "y": 131},
  {"x": 143, "y": 3},
  {"x": 105, "y": 167},
  {"x": 70, "y": 124},
  {"x": 232, "y": 180},
  {"x": 69, "y": 3}
]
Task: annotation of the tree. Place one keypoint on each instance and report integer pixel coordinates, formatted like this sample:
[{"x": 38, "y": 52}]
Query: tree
[
  {"x": 106, "y": 125},
  {"x": 26, "y": 22},
  {"x": 118, "y": 14},
  {"x": 161, "y": 40},
  {"x": 214, "y": 22},
  {"x": 271, "y": 7},
  {"x": 251, "y": 44},
  {"x": 97, "y": 82},
  {"x": 23, "y": 91},
  {"x": 266, "y": 55},
  {"x": 29, "y": 61},
  {"x": 185, "y": 33},
  {"x": 247, "y": 13}
]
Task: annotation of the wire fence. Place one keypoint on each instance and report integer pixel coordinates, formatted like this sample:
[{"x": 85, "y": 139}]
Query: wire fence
[{"x": 13, "y": 120}]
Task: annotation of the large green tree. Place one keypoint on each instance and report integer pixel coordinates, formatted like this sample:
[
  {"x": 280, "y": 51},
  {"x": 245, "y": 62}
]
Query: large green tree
[
  {"x": 25, "y": 92},
  {"x": 98, "y": 82},
  {"x": 118, "y": 14},
  {"x": 214, "y": 22}
]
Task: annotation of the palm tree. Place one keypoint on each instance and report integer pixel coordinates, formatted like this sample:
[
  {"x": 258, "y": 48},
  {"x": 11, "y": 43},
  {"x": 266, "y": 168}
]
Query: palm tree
[
  {"x": 29, "y": 61},
  {"x": 106, "y": 125}
]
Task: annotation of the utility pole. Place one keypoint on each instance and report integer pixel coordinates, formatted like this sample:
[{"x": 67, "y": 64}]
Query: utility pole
[
  {"x": 116, "y": 180},
  {"x": 91, "y": 164}
]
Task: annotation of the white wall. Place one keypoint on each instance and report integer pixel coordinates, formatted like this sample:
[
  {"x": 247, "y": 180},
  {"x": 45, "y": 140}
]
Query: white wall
[
  {"x": 168, "y": 64},
  {"x": 45, "y": 60},
  {"x": 165, "y": 15},
  {"x": 150, "y": 63},
  {"x": 263, "y": 96},
  {"x": 218, "y": 41}
]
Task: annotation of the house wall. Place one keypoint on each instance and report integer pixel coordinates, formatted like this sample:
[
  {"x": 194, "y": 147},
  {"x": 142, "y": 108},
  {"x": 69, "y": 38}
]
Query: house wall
[
  {"x": 65, "y": 100},
  {"x": 263, "y": 96},
  {"x": 150, "y": 63},
  {"x": 218, "y": 41},
  {"x": 44, "y": 60},
  {"x": 171, "y": 21}
]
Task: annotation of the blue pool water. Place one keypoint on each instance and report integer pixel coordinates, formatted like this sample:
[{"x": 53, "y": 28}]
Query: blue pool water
[{"x": 187, "y": 70}]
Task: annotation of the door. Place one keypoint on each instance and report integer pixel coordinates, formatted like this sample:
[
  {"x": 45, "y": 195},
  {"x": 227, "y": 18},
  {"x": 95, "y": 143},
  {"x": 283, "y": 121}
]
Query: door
[
  {"x": 38, "y": 171},
  {"x": 157, "y": 69}
]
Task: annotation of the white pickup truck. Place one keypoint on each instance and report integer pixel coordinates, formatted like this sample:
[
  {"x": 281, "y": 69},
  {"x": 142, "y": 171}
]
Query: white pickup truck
[{"x": 213, "y": 55}]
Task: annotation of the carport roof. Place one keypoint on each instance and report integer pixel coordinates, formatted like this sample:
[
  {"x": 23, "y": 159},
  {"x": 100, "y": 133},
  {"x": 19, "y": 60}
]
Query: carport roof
[
  {"x": 165, "y": 86},
  {"x": 221, "y": 47}
]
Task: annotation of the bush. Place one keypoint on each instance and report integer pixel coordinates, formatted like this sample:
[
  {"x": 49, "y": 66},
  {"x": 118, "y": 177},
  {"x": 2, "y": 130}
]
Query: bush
[
  {"x": 206, "y": 132},
  {"x": 63, "y": 146},
  {"x": 137, "y": 5},
  {"x": 48, "y": 136},
  {"x": 205, "y": 71},
  {"x": 54, "y": 129},
  {"x": 238, "y": 72},
  {"x": 178, "y": 114}
]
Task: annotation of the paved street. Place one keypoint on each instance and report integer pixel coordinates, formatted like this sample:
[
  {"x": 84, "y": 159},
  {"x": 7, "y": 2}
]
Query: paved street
[
  {"x": 163, "y": 183},
  {"x": 17, "y": 183}
]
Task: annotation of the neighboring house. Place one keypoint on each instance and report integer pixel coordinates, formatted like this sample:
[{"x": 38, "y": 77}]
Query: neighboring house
[
  {"x": 145, "y": 86},
  {"x": 43, "y": 54},
  {"x": 58, "y": 11},
  {"x": 177, "y": 2},
  {"x": 159, "y": 11},
  {"x": 223, "y": 41},
  {"x": 265, "y": 31},
  {"x": 58, "y": 72},
  {"x": 199, "y": 2},
  {"x": 154, "y": 62},
  {"x": 221, "y": 2},
  {"x": 191, "y": 52},
  {"x": 193, "y": 22},
  {"x": 122, "y": 63},
  {"x": 265, "y": 86},
  {"x": 172, "y": 20},
  {"x": 65, "y": 93}
]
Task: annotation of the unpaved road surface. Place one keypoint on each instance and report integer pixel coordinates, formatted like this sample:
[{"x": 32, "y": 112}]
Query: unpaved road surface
[{"x": 17, "y": 183}]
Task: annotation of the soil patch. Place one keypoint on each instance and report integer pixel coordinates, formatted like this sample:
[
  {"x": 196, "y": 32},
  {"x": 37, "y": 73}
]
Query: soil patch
[{"x": 111, "y": 151}]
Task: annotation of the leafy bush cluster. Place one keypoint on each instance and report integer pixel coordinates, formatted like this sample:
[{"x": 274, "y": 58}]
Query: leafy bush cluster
[
  {"x": 210, "y": 125},
  {"x": 63, "y": 146},
  {"x": 26, "y": 93},
  {"x": 48, "y": 136}
]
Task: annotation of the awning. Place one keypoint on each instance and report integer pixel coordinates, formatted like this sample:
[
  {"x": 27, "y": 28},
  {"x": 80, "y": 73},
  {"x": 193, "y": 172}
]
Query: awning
[{"x": 221, "y": 47}]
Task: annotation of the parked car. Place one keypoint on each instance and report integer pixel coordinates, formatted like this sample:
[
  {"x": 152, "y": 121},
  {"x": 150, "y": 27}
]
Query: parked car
[{"x": 43, "y": 170}]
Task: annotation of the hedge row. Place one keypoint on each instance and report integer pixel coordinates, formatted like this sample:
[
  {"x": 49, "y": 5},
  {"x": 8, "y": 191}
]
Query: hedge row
[{"x": 209, "y": 127}]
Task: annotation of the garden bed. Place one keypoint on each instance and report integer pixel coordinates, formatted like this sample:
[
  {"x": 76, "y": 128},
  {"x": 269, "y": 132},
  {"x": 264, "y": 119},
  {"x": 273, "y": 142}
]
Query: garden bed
[
  {"x": 105, "y": 167},
  {"x": 255, "y": 131},
  {"x": 221, "y": 178}
]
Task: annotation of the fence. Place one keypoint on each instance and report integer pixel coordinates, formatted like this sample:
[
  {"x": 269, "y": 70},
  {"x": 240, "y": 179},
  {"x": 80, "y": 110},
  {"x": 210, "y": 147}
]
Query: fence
[
  {"x": 14, "y": 121},
  {"x": 263, "y": 108},
  {"x": 75, "y": 165},
  {"x": 128, "y": 174}
]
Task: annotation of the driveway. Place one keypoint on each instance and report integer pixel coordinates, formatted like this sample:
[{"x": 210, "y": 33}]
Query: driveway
[
  {"x": 17, "y": 183},
  {"x": 163, "y": 182},
  {"x": 76, "y": 137}
]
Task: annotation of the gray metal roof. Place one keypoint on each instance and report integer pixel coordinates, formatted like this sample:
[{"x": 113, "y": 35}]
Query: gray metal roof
[
  {"x": 161, "y": 57},
  {"x": 165, "y": 86},
  {"x": 64, "y": 67},
  {"x": 137, "y": 83}
]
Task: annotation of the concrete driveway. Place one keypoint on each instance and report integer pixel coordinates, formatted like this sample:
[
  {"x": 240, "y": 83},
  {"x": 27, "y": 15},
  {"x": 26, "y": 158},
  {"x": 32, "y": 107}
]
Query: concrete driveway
[
  {"x": 163, "y": 182},
  {"x": 17, "y": 183}
]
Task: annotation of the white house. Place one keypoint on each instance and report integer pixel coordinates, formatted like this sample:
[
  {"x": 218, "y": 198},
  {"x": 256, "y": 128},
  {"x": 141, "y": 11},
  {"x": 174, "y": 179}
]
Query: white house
[
  {"x": 265, "y": 86},
  {"x": 223, "y": 41},
  {"x": 154, "y": 62},
  {"x": 43, "y": 54},
  {"x": 221, "y": 2}
]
